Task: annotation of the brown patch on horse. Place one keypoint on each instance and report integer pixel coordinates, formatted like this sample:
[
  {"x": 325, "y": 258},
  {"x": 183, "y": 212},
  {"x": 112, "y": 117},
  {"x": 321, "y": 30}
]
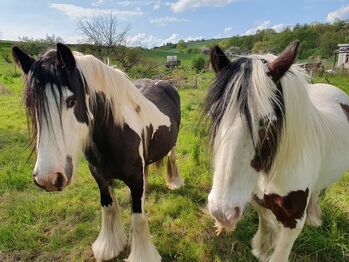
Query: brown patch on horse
[
  {"x": 138, "y": 109},
  {"x": 346, "y": 110},
  {"x": 286, "y": 208},
  {"x": 268, "y": 140}
]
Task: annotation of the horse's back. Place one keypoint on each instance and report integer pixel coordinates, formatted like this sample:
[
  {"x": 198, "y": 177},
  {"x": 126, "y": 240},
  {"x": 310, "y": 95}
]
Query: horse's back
[
  {"x": 333, "y": 104},
  {"x": 327, "y": 95},
  {"x": 163, "y": 94}
]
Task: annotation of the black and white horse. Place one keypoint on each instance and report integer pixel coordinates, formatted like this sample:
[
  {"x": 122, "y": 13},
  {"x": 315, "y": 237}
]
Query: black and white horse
[
  {"x": 278, "y": 141},
  {"x": 78, "y": 104}
]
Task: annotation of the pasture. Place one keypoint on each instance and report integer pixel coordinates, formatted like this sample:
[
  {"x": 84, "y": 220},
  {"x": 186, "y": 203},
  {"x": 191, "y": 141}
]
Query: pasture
[{"x": 40, "y": 226}]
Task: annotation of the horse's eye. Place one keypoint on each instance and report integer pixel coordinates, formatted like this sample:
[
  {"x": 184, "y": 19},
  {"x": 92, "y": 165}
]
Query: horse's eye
[{"x": 71, "y": 101}]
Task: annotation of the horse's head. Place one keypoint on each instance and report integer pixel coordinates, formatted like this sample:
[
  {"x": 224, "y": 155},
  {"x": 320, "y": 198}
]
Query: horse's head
[
  {"x": 246, "y": 103},
  {"x": 57, "y": 107}
]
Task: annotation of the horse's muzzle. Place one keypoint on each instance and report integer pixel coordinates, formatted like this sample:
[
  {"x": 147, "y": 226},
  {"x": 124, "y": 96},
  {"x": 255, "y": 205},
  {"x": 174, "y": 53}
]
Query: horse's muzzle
[{"x": 53, "y": 182}]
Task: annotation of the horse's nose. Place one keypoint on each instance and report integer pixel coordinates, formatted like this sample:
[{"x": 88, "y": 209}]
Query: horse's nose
[
  {"x": 225, "y": 216},
  {"x": 57, "y": 180},
  {"x": 51, "y": 182}
]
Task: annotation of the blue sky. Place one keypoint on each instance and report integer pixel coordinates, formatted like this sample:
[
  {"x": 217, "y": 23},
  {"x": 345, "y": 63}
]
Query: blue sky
[{"x": 154, "y": 22}]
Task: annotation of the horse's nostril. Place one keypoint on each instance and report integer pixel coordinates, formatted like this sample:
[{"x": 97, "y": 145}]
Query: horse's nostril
[
  {"x": 34, "y": 174},
  {"x": 59, "y": 181},
  {"x": 237, "y": 212}
]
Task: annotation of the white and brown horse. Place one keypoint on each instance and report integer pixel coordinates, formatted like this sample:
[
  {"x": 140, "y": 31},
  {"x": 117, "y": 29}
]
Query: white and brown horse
[
  {"x": 78, "y": 105},
  {"x": 278, "y": 141}
]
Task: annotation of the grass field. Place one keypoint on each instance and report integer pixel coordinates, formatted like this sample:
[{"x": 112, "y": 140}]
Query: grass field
[{"x": 40, "y": 226}]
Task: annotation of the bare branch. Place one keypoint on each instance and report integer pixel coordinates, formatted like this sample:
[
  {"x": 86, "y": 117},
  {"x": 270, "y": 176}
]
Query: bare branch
[{"x": 104, "y": 34}]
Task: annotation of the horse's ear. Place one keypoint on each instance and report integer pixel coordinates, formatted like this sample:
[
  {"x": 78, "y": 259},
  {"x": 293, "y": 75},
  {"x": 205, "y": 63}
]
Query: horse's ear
[
  {"x": 218, "y": 59},
  {"x": 283, "y": 62},
  {"x": 23, "y": 60},
  {"x": 65, "y": 56}
]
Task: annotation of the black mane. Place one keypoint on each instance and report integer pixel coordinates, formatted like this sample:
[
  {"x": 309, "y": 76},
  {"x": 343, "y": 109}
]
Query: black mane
[
  {"x": 215, "y": 105},
  {"x": 218, "y": 99}
]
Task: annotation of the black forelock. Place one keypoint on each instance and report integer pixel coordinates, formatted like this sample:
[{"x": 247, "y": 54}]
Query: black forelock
[{"x": 216, "y": 103}]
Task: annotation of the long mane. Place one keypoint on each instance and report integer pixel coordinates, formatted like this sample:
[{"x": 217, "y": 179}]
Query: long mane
[
  {"x": 243, "y": 89},
  {"x": 113, "y": 83}
]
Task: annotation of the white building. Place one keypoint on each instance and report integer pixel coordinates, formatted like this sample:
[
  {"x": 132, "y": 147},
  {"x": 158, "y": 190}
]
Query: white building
[{"x": 343, "y": 55}]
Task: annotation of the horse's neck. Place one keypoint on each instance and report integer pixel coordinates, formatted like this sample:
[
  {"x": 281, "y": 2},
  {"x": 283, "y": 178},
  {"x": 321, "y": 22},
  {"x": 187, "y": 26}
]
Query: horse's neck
[{"x": 127, "y": 103}]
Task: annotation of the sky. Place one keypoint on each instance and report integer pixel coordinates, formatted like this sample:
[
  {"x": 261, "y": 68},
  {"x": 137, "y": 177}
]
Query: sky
[{"x": 156, "y": 22}]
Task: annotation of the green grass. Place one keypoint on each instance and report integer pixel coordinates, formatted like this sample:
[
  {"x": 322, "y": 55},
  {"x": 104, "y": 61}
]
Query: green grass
[{"x": 40, "y": 226}]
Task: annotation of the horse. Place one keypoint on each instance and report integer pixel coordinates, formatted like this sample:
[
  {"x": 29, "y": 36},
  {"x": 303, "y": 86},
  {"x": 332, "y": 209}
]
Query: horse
[
  {"x": 277, "y": 142},
  {"x": 77, "y": 104}
]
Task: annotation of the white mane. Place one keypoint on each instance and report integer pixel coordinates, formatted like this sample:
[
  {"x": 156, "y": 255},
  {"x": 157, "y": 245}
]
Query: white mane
[
  {"x": 113, "y": 83},
  {"x": 304, "y": 126},
  {"x": 127, "y": 103}
]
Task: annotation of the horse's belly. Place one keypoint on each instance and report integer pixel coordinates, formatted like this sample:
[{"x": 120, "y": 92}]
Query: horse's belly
[{"x": 162, "y": 141}]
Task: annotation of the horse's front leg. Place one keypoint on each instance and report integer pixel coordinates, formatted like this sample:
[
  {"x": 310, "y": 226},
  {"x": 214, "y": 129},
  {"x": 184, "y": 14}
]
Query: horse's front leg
[
  {"x": 112, "y": 238},
  {"x": 264, "y": 240},
  {"x": 285, "y": 240},
  {"x": 142, "y": 247}
]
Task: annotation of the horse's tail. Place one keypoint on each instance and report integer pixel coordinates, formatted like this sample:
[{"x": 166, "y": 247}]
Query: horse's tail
[
  {"x": 160, "y": 163},
  {"x": 173, "y": 179}
]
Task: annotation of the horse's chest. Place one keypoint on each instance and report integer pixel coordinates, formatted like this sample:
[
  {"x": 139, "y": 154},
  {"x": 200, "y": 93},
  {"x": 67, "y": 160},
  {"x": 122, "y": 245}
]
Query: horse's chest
[{"x": 287, "y": 209}]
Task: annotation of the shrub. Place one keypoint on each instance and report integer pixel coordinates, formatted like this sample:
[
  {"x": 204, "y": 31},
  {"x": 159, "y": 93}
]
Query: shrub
[{"x": 199, "y": 63}]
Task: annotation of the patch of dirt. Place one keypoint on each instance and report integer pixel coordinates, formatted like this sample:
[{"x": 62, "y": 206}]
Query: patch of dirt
[{"x": 4, "y": 90}]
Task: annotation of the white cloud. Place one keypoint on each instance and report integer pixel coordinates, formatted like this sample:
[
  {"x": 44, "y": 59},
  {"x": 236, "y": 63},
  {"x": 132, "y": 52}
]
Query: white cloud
[
  {"x": 162, "y": 21},
  {"x": 228, "y": 30},
  {"x": 81, "y": 12},
  {"x": 143, "y": 40},
  {"x": 124, "y": 3},
  {"x": 339, "y": 14},
  {"x": 265, "y": 25},
  {"x": 149, "y": 41},
  {"x": 172, "y": 39},
  {"x": 278, "y": 28},
  {"x": 157, "y": 5},
  {"x": 182, "y": 5}
]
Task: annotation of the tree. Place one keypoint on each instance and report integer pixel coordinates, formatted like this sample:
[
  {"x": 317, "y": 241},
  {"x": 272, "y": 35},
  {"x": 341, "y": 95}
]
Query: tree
[
  {"x": 4, "y": 55},
  {"x": 34, "y": 47},
  {"x": 107, "y": 39},
  {"x": 181, "y": 45},
  {"x": 199, "y": 63},
  {"x": 103, "y": 33}
]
